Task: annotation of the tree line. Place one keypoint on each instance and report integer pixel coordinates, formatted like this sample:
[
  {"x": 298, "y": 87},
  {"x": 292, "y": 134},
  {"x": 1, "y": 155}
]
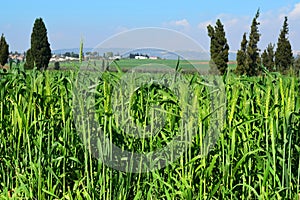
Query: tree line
[
  {"x": 133, "y": 55},
  {"x": 248, "y": 58}
]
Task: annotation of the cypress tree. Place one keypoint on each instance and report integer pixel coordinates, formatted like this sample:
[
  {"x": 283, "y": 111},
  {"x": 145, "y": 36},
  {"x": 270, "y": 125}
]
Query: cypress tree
[
  {"x": 218, "y": 48},
  {"x": 81, "y": 51},
  {"x": 29, "y": 64},
  {"x": 40, "y": 47},
  {"x": 241, "y": 57},
  {"x": 253, "y": 59},
  {"x": 283, "y": 55},
  {"x": 4, "y": 52},
  {"x": 268, "y": 58}
]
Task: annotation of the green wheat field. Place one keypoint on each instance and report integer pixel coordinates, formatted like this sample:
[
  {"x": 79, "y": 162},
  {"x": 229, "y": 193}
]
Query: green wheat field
[{"x": 43, "y": 156}]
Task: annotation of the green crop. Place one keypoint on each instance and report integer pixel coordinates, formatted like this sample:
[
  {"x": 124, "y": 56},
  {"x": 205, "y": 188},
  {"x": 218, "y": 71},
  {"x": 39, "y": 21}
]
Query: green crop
[{"x": 45, "y": 151}]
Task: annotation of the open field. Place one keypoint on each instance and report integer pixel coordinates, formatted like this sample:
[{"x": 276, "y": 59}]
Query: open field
[
  {"x": 44, "y": 154},
  {"x": 128, "y": 63},
  {"x": 201, "y": 66}
]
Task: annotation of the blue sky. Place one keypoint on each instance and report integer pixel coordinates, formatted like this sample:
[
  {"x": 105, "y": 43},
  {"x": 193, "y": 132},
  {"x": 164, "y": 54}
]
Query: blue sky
[{"x": 95, "y": 21}]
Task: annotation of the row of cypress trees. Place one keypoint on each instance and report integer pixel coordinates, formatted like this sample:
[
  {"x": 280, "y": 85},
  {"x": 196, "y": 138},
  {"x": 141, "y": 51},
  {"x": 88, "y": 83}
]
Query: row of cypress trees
[
  {"x": 249, "y": 61},
  {"x": 39, "y": 53}
]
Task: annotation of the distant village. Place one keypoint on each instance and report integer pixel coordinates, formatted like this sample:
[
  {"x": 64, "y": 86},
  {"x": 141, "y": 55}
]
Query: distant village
[
  {"x": 15, "y": 57},
  {"x": 117, "y": 56}
]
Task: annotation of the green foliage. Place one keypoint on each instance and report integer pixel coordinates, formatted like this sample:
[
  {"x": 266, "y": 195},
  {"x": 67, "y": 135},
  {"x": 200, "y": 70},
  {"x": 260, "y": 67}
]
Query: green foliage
[
  {"x": 81, "y": 51},
  {"x": 241, "y": 57},
  {"x": 284, "y": 55},
  {"x": 43, "y": 157},
  {"x": 29, "y": 64},
  {"x": 253, "y": 59},
  {"x": 4, "y": 52},
  {"x": 71, "y": 54},
  {"x": 218, "y": 48},
  {"x": 248, "y": 60},
  {"x": 56, "y": 65},
  {"x": 297, "y": 65},
  {"x": 267, "y": 58},
  {"x": 40, "y": 47}
]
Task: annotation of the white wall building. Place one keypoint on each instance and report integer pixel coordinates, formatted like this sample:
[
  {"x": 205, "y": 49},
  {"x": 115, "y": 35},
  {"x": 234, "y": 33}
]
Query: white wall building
[{"x": 140, "y": 57}]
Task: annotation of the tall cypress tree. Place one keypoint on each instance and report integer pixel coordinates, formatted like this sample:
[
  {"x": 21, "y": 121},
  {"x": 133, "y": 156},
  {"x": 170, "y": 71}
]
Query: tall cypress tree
[
  {"x": 283, "y": 55},
  {"x": 4, "y": 52},
  {"x": 241, "y": 57},
  {"x": 268, "y": 58},
  {"x": 218, "y": 48},
  {"x": 40, "y": 47},
  {"x": 253, "y": 59}
]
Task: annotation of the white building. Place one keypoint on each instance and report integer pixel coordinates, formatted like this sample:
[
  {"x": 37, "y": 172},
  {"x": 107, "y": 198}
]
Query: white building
[{"x": 140, "y": 57}]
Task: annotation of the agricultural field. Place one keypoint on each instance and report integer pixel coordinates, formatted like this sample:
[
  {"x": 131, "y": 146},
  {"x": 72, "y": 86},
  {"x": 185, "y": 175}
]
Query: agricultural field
[
  {"x": 127, "y": 64},
  {"x": 45, "y": 150}
]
